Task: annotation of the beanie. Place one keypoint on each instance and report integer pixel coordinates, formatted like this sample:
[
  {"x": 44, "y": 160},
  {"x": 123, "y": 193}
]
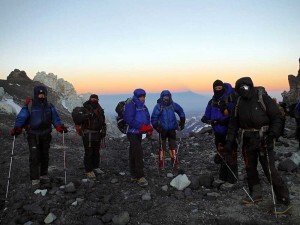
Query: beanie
[
  {"x": 94, "y": 96},
  {"x": 217, "y": 83}
]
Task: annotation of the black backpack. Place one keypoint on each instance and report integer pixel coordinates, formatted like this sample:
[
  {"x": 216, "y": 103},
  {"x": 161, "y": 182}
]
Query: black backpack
[
  {"x": 122, "y": 125},
  {"x": 80, "y": 115}
]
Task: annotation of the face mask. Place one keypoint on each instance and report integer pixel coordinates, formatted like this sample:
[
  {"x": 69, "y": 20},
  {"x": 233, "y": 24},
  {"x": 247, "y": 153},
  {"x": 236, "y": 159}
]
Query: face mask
[
  {"x": 41, "y": 99},
  {"x": 218, "y": 93},
  {"x": 244, "y": 91}
]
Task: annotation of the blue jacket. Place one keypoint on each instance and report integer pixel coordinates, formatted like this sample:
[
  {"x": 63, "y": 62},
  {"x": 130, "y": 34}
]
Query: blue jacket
[
  {"x": 40, "y": 117},
  {"x": 136, "y": 113},
  {"x": 213, "y": 110},
  {"x": 164, "y": 113}
]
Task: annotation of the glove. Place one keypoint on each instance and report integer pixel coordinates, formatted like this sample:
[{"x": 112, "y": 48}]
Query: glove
[
  {"x": 204, "y": 119},
  {"x": 28, "y": 100},
  {"x": 15, "y": 131},
  {"x": 214, "y": 122},
  {"x": 145, "y": 128},
  {"x": 269, "y": 141},
  {"x": 182, "y": 123},
  {"x": 78, "y": 128},
  {"x": 149, "y": 133},
  {"x": 61, "y": 128}
]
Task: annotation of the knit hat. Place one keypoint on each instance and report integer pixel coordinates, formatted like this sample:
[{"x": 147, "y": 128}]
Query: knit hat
[
  {"x": 94, "y": 96},
  {"x": 217, "y": 83}
]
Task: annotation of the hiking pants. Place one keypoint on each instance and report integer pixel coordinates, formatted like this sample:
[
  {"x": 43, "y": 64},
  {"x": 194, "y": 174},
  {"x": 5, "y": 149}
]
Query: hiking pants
[
  {"x": 171, "y": 136},
  {"x": 38, "y": 154},
  {"x": 91, "y": 143},
  {"x": 224, "y": 173},
  {"x": 136, "y": 163},
  {"x": 253, "y": 150}
]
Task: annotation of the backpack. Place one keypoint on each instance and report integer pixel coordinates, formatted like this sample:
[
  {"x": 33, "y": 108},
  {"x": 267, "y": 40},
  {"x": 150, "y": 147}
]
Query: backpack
[
  {"x": 121, "y": 124},
  {"x": 260, "y": 92},
  {"x": 80, "y": 115}
]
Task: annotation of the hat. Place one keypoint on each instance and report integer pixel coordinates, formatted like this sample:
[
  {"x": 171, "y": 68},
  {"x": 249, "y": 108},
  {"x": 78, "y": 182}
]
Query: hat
[
  {"x": 94, "y": 96},
  {"x": 217, "y": 83}
]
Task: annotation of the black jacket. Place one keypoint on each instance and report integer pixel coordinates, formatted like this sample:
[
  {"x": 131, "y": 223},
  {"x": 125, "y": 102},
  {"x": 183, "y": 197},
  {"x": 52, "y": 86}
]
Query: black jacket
[
  {"x": 251, "y": 114},
  {"x": 96, "y": 120}
]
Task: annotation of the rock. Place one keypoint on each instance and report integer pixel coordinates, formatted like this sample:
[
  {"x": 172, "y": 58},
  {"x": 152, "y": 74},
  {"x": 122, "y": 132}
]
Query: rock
[
  {"x": 188, "y": 192},
  {"x": 179, "y": 195},
  {"x": 18, "y": 76},
  {"x": 287, "y": 165},
  {"x": 121, "y": 219},
  {"x": 70, "y": 188},
  {"x": 107, "y": 217},
  {"x": 170, "y": 175},
  {"x": 226, "y": 186},
  {"x": 217, "y": 183},
  {"x": 206, "y": 180},
  {"x": 195, "y": 183},
  {"x": 180, "y": 182},
  {"x": 103, "y": 209},
  {"x": 36, "y": 209},
  {"x": 165, "y": 188},
  {"x": 114, "y": 181},
  {"x": 296, "y": 158},
  {"x": 50, "y": 218},
  {"x": 146, "y": 197},
  {"x": 93, "y": 221}
]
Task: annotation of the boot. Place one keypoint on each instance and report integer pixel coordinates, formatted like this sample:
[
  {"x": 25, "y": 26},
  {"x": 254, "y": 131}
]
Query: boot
[
  {"x": 255, "y": 195},
  {"x": 161, "y": 154},
  {"x": 174, "y": 158}
]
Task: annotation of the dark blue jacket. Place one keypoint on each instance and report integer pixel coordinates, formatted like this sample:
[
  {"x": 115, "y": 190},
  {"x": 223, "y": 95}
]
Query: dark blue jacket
[
  {"x": 214, "y": 112},
  {"x": 164, "y": 113},
  {"x": 38, "y": 117},
  {"x": 136, "y": 113}
]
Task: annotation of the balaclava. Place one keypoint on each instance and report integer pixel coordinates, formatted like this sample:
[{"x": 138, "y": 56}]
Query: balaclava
[{"x": 218, "y": 93}]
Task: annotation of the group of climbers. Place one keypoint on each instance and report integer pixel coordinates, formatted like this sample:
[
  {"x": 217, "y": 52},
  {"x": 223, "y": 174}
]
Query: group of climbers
[{"x": 240, "y": 117}]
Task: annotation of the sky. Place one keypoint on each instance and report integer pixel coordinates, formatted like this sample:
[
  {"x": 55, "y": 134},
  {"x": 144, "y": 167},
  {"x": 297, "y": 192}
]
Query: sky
[{"x": 115, "y": 46}]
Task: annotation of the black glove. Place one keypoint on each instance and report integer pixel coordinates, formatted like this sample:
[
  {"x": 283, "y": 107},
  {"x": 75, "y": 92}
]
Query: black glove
[
  {"x": 215, "y": 122},
  {"x": 204, "y": 119},
  {"x": 182, "y": 123},
  {"x": 269, "y": 141}
]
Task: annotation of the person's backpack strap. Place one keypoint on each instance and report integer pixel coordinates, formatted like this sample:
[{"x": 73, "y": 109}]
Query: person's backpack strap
[{"x": 260, "y": 92}]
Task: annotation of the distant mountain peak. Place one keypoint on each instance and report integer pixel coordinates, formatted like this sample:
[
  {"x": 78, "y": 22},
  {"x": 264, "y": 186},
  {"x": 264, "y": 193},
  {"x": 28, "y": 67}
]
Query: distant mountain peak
[{"x": 17, "y": 76}]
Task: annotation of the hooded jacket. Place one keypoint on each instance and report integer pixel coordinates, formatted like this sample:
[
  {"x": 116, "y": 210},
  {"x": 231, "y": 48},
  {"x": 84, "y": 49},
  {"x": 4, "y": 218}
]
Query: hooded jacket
[
  {"x": 40, "y": 116},
  {"x": 251, "y": 115},
  {"x": 215, "y": 108},
  {"x": 96, "y": 119},
  {"x": 164, "y": 112},
  {"x": 136, "y": 113}
]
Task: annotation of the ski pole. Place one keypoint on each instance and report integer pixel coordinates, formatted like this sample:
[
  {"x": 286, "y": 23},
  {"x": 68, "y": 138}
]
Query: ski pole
[
  {"x": 234, "y": 175},
  {"x": 10, "y": 165},
  {"x": 65, "y": 170},
  {"x": 161, "y": 152},
  {"x": 272, "y": 189}
]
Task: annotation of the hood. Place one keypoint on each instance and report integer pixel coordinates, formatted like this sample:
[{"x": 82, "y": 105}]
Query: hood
[
  {"x": 138, "y": 92},
  {"x": 243, "y": 81}
]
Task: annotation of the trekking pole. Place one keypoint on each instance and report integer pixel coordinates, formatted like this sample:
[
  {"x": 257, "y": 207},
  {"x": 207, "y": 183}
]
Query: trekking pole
[
  {"x": 65, "y": 170},
  {"x": 161, "y": 151},
  {"x": 234, "y": 175},
  {"x": 10, "y": 165},
  {"x": 156, "y": 163},
  {"x": 272, "y": 189},
  {"x": 176, "y": 153}
]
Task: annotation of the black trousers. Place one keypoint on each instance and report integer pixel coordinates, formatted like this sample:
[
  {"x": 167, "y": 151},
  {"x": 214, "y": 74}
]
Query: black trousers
[
  {"x": 136, "y": 163},
  {"x": 231, "y": 159},
  {"x": 253, "y": 151},
  {"x": 169, "y": 135},
  {"x": 91, "y": 143},
  {"x": 39, "y": 146}
]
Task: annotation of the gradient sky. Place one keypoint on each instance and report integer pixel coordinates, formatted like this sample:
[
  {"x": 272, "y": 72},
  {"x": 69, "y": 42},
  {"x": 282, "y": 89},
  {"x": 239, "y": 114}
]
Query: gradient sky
[{"x": 114, "y": 46}]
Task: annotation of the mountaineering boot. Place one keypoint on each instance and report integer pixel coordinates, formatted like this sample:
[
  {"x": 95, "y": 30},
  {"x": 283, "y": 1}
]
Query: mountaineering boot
[
  {"x": 282, "y": 208},
  {"x": 98, "y": 171},
  {"x": 161, "y": 154},
  {"x": 91, "y": 175},
  {"x": 142, "y": 182},
  {"x": 283, "y": 205},
  {"x": 174, "y": 158},
  {"x": 255, "y": 195}
]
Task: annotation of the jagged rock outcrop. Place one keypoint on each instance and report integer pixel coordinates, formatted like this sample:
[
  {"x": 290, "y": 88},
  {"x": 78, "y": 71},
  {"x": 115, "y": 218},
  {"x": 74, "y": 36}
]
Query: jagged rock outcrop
[
  {"x": 18, "y": 76},
  {"x": 293, "y": 95},
  {"x": 69, "y": 97}
]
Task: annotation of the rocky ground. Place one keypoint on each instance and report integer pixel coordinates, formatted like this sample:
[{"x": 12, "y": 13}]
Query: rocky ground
[{"x": 113, "y": 199}]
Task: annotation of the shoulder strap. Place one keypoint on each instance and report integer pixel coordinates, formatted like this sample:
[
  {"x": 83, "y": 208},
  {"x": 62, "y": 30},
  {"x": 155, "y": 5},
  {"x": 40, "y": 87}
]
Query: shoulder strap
[{"x": 260, "y": 92}]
